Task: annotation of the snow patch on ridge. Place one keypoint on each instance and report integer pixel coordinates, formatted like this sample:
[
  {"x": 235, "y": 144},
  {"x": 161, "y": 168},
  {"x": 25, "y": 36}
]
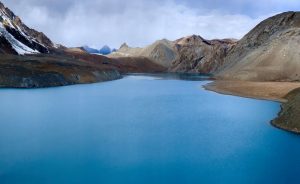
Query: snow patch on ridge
[{"x": 19, "y": 47}]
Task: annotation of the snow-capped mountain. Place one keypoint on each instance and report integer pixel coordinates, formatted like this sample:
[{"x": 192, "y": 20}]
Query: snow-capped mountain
[{"x": 17, "y": 38}]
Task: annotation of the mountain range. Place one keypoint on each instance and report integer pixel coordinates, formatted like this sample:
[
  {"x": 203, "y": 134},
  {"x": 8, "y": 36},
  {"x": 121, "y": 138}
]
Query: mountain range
[
  {"x": 191, "y": 54},
  {"x": 269, "y": 52},
  {"x": 105, "y": 50}
]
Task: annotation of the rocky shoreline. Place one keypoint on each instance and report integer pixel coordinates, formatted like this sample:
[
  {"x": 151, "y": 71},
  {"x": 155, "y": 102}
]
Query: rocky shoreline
[
  {"x": 44, "y": 80},
  {"x": 287, "y": 93},
  {"x": 289, "y": 116},
  {"x": 50, "y": 71}
]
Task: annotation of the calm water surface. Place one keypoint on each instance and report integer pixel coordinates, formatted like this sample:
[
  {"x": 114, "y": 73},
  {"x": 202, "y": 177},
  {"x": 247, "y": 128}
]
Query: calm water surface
[{"x": 141, "y": 130}]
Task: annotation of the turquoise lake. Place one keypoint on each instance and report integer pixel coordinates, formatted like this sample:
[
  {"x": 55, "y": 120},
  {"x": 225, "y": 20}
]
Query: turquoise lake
[{"x": 142, "y": 130}]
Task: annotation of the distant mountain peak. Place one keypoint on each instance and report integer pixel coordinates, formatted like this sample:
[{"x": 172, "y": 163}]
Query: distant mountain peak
[
  {"x": 105, "y": 50},
  {"x": 124, "y": 45},
  {"x": 192, "y": 40}
]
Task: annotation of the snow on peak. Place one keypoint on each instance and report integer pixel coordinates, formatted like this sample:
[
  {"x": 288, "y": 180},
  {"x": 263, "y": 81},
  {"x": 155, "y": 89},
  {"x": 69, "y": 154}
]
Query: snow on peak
[{"x": 21, "y": 38}]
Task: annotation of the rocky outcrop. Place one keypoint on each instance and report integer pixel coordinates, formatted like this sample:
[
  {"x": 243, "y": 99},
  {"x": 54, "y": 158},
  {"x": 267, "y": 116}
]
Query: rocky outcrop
[
  {"x": 289, "y": 116},
  {"x": 269, "y": 52},
  {"x": 198, "y": 55}
]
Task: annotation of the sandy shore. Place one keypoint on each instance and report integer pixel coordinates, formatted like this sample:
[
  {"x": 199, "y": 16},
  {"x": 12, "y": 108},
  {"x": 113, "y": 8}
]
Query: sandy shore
[
  {"x": 275, "y": 91},
  {"x": 288, "y": 93}
]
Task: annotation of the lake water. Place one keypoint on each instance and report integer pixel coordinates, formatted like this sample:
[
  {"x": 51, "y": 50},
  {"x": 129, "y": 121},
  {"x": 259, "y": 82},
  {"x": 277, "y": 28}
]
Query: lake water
[{"x": 142, "y": 130}]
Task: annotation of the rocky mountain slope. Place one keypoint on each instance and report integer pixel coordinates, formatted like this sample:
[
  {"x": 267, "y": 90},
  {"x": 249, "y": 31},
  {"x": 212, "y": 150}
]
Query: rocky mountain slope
[
  {"x": 17, "y": 38},
  {"x": 191, "y": 54},
  {"x": 198, "y": 55},
  {"x": 269, "y": 52},
  {"x": 161, "y": 52}
]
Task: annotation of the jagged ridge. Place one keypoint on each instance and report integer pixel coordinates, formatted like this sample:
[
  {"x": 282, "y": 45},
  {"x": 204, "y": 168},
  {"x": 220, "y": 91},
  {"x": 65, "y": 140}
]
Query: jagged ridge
[
  {"x": 17, "y": 38},
  {"x": 192, "y": 54}
]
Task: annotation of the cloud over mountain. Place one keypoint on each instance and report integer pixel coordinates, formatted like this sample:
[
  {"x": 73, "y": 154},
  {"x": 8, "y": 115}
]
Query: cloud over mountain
[{"x": 137, "y": 22}]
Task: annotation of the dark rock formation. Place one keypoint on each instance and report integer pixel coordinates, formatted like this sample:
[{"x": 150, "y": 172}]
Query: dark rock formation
[
  {"x": 198, "y": 55},
  {"x": 289, "y": 117},
  {"x": 5, "y": 46},
  {"x": 21, "y": 38}
]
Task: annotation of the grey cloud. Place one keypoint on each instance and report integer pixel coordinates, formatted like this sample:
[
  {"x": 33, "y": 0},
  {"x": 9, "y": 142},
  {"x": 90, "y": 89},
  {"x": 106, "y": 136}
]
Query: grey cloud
[
  {"x": 251, "y": 8},
  {"x": 137, "y": 22}
]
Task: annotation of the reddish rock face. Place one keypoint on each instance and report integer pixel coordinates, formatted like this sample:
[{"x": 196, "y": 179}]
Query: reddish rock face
[{"x": 198, "y": 55}]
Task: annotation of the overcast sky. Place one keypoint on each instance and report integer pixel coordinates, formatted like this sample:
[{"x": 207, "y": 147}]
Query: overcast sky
[{"x": 141, "y": 22}]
